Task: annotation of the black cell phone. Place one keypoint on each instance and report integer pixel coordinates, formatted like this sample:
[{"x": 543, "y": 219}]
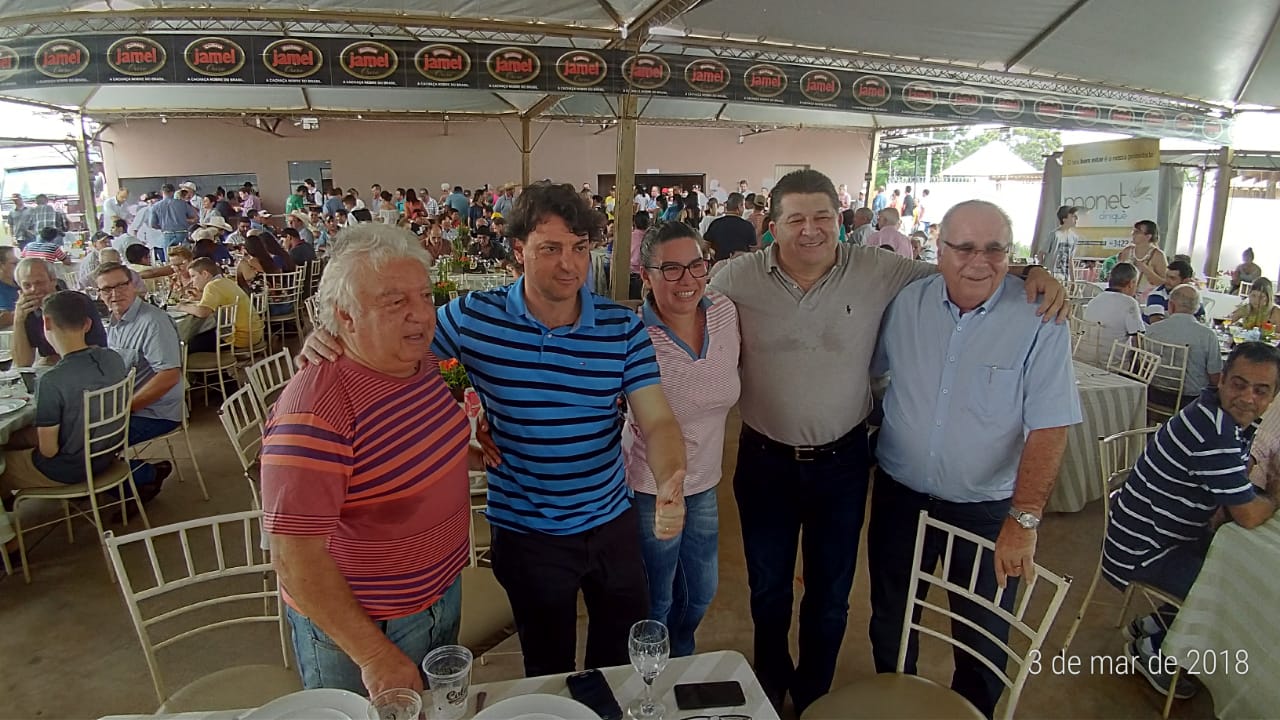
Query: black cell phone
[
  {"x": 699, "y": 696},
  {"x": 591, "y": 689}
]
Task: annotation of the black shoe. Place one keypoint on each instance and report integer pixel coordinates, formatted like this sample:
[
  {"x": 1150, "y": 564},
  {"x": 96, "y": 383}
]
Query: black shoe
[{"x": 148, "y": 492}]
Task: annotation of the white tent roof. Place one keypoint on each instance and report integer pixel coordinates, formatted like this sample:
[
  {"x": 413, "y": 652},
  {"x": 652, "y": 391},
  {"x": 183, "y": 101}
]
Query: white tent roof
[
  {"x": 994, "y": 159},
  {"x": 1105, "y": 49}
]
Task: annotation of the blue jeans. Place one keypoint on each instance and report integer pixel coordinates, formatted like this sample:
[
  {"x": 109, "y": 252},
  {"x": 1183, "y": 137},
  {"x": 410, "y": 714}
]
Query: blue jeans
[
  {"x": 891, "y": 542},
  {"x": 322, "y": 664},
  {"x": 142, "y": 429},
  {"x": 814, "y": 506},
  {"x": 682, "y": 571},
  {"x": 174, "y": 237}
]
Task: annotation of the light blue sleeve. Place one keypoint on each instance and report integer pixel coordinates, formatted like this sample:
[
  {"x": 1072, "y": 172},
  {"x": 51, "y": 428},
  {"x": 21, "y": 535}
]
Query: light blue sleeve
[{"x": 1051, "y": 397}]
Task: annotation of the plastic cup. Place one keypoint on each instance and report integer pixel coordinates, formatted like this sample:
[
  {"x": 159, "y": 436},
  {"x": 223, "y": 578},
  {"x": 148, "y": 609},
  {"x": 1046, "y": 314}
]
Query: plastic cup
[
  {"x": 448, "y": 671},
  {"x": 397, "y": 704}
]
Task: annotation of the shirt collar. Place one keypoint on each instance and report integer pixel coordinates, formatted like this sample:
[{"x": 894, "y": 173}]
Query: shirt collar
[
  {"x": 517, "y": 306},
  {"x": 983, "y": 307},
  {"x": 771, "y": 256},
  {"x": 649, "y": 315}
]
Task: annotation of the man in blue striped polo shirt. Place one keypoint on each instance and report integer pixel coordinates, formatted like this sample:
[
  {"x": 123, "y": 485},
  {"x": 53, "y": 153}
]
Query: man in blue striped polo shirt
[
  {"x": 1194, "y": 467},
  {"x": 550, "y": 361}
]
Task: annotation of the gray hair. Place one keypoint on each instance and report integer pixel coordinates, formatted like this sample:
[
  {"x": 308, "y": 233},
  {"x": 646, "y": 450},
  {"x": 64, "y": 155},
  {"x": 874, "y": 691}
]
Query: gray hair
[
  {"x": 976, "y": 205},
  {"x": 361, "y": 252},
  {"x": 25, "y": 265},
  {"x": 1184, "y": 299},
  {"x": 1121, "y": 275}
]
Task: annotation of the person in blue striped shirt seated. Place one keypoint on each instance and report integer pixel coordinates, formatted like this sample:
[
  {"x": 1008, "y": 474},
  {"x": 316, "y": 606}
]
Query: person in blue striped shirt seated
[
  {"x": 1193, "y": 475},
  {"x": 551, "y": 362}
]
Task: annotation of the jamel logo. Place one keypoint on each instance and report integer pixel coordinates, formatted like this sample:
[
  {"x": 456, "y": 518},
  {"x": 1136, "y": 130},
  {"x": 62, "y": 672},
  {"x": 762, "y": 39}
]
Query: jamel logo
[
  {"x": 820, "y": 86},
  {"x": 368, "y": 60},
  {"x": 10, "y": 61},
  {"x": 1048, "y": 110},
  {"x": 581, "y": 68},
  {"x": 919, "y": 96},
  {"x": 646, "y": 72},
  {"x": 765, "y": 80},
  {"x": 136, "y": 56},
  {"x": 214, "y": 56},
  {"x": 965, "y": 101},
  {"x": 706, "y": 76},
  {"x": 1121, "y": 116},
  {"x": 62, "y": 58},
  {"x": 292, "y": 58},
  {"x": 1213, "y": 128},
  {"x": 1155, "y": 120},
  {"x": 442, "y": 63},
  {"x": 1007, "y": 105},
  {"x": 1087, "y": 113},
  {"x": 871, "y": 91},
  {"x": 513, "y": 65},
  {"x": 1185, "y": 122}
]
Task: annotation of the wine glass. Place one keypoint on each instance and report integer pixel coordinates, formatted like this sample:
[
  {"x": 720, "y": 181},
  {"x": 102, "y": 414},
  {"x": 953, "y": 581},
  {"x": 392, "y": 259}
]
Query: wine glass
[{"x": 650, "y": 648}]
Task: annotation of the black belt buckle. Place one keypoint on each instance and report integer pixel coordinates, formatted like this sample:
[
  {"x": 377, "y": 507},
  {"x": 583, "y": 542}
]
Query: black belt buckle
[{"x": 805, "y": 454}]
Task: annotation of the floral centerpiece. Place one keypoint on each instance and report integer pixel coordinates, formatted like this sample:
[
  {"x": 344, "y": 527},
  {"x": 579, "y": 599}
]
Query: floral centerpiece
[
  {"x": 441, "y": 291},
  {"x": 1268, "y": 332},
  {"x": 455, "y": 376}
]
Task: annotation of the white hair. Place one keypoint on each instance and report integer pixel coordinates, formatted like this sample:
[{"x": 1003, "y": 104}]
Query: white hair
[
  {"x": 361, "y": 253},
  {"x": 1184, "y": 298},
  {"x": 25, "y": 265},
  {"x": 977, "y": 204}
]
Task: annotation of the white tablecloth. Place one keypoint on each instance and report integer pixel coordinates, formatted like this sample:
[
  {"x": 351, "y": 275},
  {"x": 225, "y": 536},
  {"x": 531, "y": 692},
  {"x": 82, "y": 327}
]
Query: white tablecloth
[
  {"x": 1228, "y": 629},
  {"x": 626, "y": 684},
  {"x": 1110, "y": 404}
]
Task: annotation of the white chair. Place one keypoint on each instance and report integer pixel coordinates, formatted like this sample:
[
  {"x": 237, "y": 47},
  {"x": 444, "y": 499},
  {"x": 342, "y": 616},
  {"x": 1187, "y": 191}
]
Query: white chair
[
  {"x": 314, "y": 269},
  {"x": 258, "y": 306},
  {"x": 898, "y": 695},
  {"x": 106, "y": 435},
  {"x": 481, "y": 533},
  {"x": 1117, "y": 453},
  {"x": 182, "y": 595},
  {"x": 1170, "y": 374},
  {"x": 241, "y": 416},
  {"x": 1132, "y": 362},
  {"x": 1243, "y": 290},
  {"x": 182, "y": 430},
  {"x": 219, "y": 362},
  {"x": 283, "y": 289},
  {"x": 313, "y": 313},
  {"x": 268, "y": 377},
  {"x": 1207, "y": 304},
  {"x": 1086, "y": 340}
]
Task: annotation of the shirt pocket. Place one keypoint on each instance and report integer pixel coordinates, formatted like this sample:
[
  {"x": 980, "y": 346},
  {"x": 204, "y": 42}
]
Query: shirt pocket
[{"x": 993, "y": 394}]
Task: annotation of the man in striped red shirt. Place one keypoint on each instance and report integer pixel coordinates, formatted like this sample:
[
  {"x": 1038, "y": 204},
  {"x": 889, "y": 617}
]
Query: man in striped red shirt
[{"x": 364, "y": 478}]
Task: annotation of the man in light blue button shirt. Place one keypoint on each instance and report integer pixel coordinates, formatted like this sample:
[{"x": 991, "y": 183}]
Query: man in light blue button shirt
[{"x": 975, "y": 425}]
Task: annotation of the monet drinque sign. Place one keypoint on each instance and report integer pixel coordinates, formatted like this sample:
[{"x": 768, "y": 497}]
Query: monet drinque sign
[{"x": 357, "y": 62}]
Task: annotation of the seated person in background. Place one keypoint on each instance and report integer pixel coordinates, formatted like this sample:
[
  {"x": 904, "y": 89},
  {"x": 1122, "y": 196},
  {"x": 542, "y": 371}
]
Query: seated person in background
[
  {"x": 180, "y": 285},
  {"x": 58, "y": 457},
  {"x": 1193, "y": 467},
  {"x": 147, "y": 339},
  {"x": 48, "y": 247},
  {"x": 484, "y": 247},
  {"x": 9, "y": 289},
  {"x": 1157, "y": 307},
  {"x": 1259, "y": 307},
  {"x": 38, "y": 280},
  {"x": 92, "y": 259},
  {"x": 1246, "y": 272},
  {"x": 138, "y": 259},
  {"x": 216, "y": 291},
  {"x": 1204, "y": 357},
  {"x": 1104, "y": 270},
  {"x": 1118, "y": 313},
  {"x": 208, "y": 243},
  {"x": 299, "y": 249}
]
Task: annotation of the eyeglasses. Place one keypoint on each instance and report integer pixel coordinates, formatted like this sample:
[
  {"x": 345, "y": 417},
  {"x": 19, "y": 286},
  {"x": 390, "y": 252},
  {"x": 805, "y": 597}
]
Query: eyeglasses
[
  {"x": 112, "y": 288},
  {"x": 674, "y": 272},
  {"x": 965, "y": 253}
]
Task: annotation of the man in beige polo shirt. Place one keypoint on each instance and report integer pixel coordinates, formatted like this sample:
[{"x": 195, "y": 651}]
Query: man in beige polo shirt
[{"x": 810, "y": 310}]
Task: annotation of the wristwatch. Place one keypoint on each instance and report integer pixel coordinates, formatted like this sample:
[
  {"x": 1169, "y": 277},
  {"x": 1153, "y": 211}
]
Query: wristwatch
[{"x": 1025, "y": 519}]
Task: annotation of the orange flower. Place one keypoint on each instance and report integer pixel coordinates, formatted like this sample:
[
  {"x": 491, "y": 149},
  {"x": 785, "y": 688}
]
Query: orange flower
[{"x": 450, "y": 364}]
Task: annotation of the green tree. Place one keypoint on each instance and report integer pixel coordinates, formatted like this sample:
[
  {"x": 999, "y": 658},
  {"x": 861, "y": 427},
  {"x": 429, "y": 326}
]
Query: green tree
[{"x": 1030, "y": 144}]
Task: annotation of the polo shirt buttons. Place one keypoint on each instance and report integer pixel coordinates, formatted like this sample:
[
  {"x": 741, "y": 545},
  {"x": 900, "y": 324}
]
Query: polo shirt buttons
[
  {"x": 945, "y": 391},
  {"x": 951, "y": 358}
]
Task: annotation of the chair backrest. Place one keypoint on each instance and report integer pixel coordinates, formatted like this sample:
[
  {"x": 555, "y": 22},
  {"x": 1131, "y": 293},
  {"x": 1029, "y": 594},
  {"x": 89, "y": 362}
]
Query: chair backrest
[
  {"x": 315, "y": 268},
  {"x": 1244, "y": 289},
  {"x": 242, "y": 418},
  {"x": 1027, "y": 626},
  {"x": 1117, "y": 454},
  {"x": 1206, "y": 304},
  {"x": 284, "y": 287},
  {"x": 269, "y": 376},
  {"x": 1171, "y": 373},
  {"x": 1132, "y": 362},
  {"x": 313, "y": 312},
  {"x": 1086, "y": 340},
  {"x": 106, "y": 422},
  {"x": 202, "y": 575}
]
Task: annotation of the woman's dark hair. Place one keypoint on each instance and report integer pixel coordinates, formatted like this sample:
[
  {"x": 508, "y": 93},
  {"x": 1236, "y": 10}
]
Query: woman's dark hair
[
  {"x": 662, "y": 234},
  {"x": 410, "y": 196},
  {"x": 1255, "y": 352},
  {"x": 257, "y": 249},
  {"x": 204, "y": 248},
  {"x": 544, "y": 200},
  {"x": 692, "y": 212},
  {"x": 213, "y": 199},
  {"x": 283, "y": 258},
  {"x": 801, "y": 182},
  {"x": 640, "y": 221},
  {"x": 848, "y": 218}
]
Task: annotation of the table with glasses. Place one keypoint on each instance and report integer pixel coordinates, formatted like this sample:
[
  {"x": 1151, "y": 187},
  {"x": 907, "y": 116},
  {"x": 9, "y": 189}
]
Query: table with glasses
[
  {"x": 626, "y": 684},
  {"x": 473, "y": 282},
  {"x": 1227, "y": 629},
  {"x": 1109, "y": 404}
]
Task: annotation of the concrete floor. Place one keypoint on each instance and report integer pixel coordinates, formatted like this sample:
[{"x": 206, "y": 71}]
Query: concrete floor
[{"x": 69, "y": 649}]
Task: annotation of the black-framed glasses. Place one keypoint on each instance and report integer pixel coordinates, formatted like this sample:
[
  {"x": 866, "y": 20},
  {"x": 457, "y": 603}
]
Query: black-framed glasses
[
  {"x": 993, "y": 252},
  {"x": 674, "y": 272},
  {"x": 112, "y": 288}
]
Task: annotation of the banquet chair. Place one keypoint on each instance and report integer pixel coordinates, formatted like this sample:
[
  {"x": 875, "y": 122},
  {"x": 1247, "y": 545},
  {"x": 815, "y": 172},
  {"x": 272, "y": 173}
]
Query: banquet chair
[
  {"x": 106, "y": 434},
  {"x": 899, "y": 695},
  {"x": 242, "y": 418},
  {"x": 219, "y": 362},
  {"x": 1244, "y": 289},
  {"x": 284, "y": 289},
  {"x": 481, "y": 533},
  {"x": 181, "y": 593},
  {"x": 268, "y": 377},
  {"x": 183, "y": 430},
  {"x": 1086, "y": 340},
  {"x": 314, "y": 270},
  {"x": 1170, "y": 374},
  {"x": 1132, "y": 362},
  {"x": 1206, "y": 304},
  {"x": 258, "y": 306},
  {"x": 1117, "y": 454},
  {"x": 313, "y": 313}
]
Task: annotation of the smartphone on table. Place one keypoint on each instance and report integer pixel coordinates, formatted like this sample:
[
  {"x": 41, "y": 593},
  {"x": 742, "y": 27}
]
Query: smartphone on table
[
  {"x": 700, "y": 696},
  {"x": 591, "y": 689}
]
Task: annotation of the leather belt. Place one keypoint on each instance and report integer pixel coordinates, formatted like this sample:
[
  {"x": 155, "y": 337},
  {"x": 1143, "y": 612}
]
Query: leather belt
[{"x": 807, "y": 453}]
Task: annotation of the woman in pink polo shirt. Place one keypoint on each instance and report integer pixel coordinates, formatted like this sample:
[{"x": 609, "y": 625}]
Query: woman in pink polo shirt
[{"x": 695, "y": 336}]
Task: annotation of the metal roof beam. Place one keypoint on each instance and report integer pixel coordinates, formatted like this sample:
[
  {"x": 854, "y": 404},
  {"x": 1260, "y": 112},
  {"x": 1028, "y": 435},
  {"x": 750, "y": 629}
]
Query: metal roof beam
[
  {"x": 546, "y": 103},
  {"x": 1257, "y": 59},
  {"x": 661, "y": 12},
  {"x": 609, "y": 10},
  {"x": 1044, "y": 34}
]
